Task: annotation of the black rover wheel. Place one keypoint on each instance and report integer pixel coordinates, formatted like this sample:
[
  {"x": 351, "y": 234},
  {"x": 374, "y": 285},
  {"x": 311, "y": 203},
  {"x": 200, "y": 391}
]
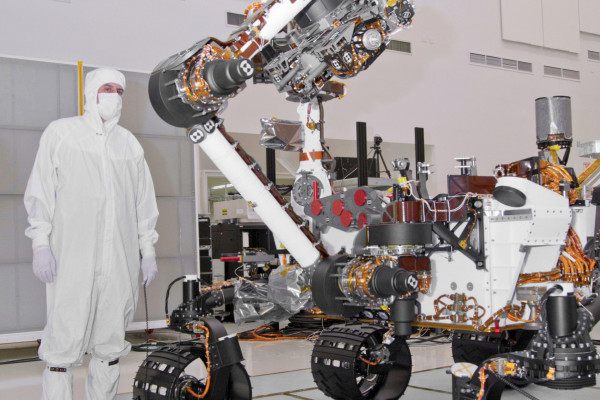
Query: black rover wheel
[
  {"x": 476, "y": 348},
  {"x": 354, "y": 364},
  {"x": 164, "y": 375}
]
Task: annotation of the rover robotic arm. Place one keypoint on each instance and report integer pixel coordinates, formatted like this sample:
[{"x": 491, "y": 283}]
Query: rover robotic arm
[
  {"x": 297, "y": 45},
  {"x": 321, "y": 39}
]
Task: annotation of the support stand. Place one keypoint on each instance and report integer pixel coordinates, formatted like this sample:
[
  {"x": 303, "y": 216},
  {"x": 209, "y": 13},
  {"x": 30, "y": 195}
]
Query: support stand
[{"x": 377, "y": 157}]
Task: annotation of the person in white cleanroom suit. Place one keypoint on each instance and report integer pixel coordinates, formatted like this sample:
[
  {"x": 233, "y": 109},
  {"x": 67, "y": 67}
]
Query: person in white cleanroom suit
[{"x": 92, "y": 213}]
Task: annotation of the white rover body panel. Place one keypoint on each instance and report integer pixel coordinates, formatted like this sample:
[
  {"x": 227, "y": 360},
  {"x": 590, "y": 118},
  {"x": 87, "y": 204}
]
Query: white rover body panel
[{"x": 517, "y": 240}]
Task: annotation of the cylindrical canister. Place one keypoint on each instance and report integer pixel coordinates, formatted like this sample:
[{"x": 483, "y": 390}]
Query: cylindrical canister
[
  {"x": 191, "y": 289},
  {"x": 403, "y": 315},
  {"x": 553, "y": 118},
  {"x": 562, "y": 315}
]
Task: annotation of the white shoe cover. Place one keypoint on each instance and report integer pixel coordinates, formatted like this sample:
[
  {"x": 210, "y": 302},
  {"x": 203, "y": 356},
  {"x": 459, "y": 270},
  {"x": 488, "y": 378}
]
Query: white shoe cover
[
  {"x": 102, "y": 380},
  {"x": 57, "y": 385}
]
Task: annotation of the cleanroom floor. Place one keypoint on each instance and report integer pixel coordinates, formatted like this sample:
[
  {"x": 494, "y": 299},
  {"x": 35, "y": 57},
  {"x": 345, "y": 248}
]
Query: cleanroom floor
[{"x": 279, "y": 370}]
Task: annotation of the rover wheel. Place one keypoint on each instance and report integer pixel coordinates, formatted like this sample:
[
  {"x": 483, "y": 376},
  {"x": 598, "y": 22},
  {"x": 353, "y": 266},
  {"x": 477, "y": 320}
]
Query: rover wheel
[
  {"x": 354, "y": 364},
  {"x": 169, "y": 372},
  {"x": 476, "y": 348}
]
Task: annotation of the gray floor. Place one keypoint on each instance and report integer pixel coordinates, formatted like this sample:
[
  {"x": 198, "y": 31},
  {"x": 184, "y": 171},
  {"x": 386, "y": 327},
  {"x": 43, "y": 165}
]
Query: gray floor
[
  {"x": 431, "y": 385},
  {"x": 279, "y": 370}
]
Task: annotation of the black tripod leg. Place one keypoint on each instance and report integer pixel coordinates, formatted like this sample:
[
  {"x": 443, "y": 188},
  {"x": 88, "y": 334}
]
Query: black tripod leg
[
  {"x": 387, "y": 171},
  {"x": 376, "y": 161}
]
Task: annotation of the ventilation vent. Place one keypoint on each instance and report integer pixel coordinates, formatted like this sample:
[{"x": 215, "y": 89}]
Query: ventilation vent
[
  {"x": 235, "y": 19},
  {"x": 562, "y": 73},
  {"x": 398, "y": 45},
  {"x": 552, "y": 71},
  {"x": 477, "y": 58},
  {"x": 525, "y": 66},
  {"x": 571, "y": 74},
  {"x": 593, "y": 55},
  {"x": 498, "y": 62},
  {"x": 493, "y": 61},
  {"x": 510, "y": 64}
]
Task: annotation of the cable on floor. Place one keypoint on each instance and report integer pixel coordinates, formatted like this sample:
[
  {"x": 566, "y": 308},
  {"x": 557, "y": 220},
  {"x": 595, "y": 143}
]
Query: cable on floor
[{"x": 20, "y": 360}]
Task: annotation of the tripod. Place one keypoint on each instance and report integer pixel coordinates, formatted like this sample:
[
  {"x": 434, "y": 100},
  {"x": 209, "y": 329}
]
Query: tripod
[{"x": 377, "y": 156}]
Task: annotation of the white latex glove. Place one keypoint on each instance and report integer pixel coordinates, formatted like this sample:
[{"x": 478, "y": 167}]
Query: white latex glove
[
  {"x": 44, "y": 264},
  {"x": 149, "y": 270}
]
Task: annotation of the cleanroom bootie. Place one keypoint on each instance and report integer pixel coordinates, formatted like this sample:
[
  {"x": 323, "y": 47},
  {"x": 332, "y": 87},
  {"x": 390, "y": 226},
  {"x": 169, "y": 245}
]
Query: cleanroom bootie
[
  {"x": 102, "y": 380},
  {"x": 57, "y": 383}
]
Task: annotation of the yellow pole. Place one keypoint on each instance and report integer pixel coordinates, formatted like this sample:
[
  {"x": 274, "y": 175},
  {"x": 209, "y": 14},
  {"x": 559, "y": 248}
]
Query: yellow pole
[{"x": 80, "y": 85}]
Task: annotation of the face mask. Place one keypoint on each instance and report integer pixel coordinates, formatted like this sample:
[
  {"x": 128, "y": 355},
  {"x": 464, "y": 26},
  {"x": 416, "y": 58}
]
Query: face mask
[{"x": 109, "y": 105}]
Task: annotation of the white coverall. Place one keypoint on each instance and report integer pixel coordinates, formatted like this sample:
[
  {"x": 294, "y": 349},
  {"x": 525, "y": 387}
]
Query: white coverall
[{"x": 90, "y": 197}]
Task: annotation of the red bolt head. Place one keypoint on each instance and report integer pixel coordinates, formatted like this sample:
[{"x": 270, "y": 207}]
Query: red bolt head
[
  {"x": 360, "y": 197},
  {"x": 346, "y": 218},
  {"x": 316, "y": 207},
  {"x": 362, "y": 220},
  {"x": 337, "y": 207}
]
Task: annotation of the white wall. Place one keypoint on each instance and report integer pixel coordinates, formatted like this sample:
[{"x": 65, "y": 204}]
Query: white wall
[
  {"x": 32, "y": 94},
  {"x": 465, "y": 109},
  {"x": 131, "y": 34}
]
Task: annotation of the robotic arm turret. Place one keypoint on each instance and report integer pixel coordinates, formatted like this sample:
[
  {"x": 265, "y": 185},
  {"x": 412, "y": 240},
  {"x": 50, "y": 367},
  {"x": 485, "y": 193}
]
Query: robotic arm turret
[{"x": 298, "y": 45}]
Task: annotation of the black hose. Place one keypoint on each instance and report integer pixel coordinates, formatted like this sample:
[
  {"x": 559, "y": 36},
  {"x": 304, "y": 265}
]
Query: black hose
[
  {"x": 147, "y": 338},
  {"x": 155, "y": 345},
  {"x": 594, "y": 308},
  {"x": 167, "y": 295},
  {"x": 512, "y": 385}
]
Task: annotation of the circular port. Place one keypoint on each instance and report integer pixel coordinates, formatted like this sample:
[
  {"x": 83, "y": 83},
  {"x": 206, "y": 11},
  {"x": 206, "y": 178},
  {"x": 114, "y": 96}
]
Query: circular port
[
  {"x": 360, "y": 197},
  {"x": 346, "y": 218},
  {"x": 316, "y": 207},
  {"x": 337, "y": 207}
]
